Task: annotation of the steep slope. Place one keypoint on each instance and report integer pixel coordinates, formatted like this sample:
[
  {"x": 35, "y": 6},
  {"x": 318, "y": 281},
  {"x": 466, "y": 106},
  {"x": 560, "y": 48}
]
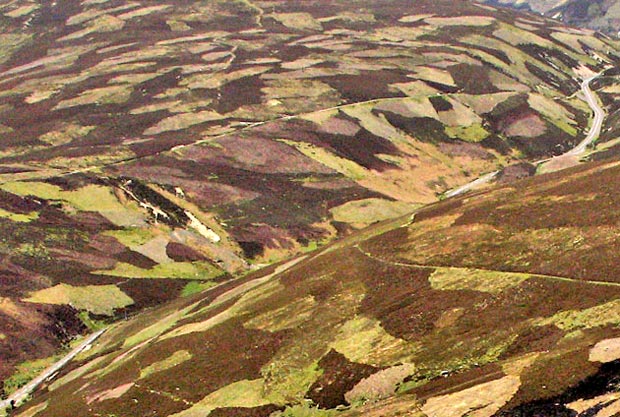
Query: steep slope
[
  {"x": 503, "y": 302},
  {"x": 600, "y": 15},
  {"x": 153, "y": 149}
]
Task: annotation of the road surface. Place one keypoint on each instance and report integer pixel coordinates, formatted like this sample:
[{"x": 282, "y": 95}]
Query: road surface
[
  {"x": 19, "y": 396},
  {"x": 597, "y": 122},
  {"x": 593, "y": 134}
]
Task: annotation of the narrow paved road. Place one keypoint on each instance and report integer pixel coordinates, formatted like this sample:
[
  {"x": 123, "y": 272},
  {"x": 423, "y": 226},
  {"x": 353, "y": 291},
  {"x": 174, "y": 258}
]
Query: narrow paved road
[
  {"x": 593, "y": 134},
  {"x": 597, "y": 122},
  {"x": 19, "y": 396}
]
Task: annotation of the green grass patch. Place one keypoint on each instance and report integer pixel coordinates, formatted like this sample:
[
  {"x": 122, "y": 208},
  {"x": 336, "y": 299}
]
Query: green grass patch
[
  {"x": 375, "y": 124},
  {"x": 175, "y": 359},
  {"x": 492, "y": 282},
  {"x": 132, "y": 236},
  {"x": 183, "y": 121},
  {"x": 93, "y": 325},
  {"x": 9, "y": 43},
  {"x": 243, "y": 393},
  {"x": 97, "y": 299},
  {"x": 298, "y": 21},
  {"x": 22, "y": 11},
  {"x": 346, "y": 167},
  {"x": 158, "y": 327},
  {"x": 66, "y": 135},
  {"x": 117, "y": 94},
  {"x": 89, "y": 198},
  {"x": 363, "y": 340},
  {"x": 290, "y": 384},
  {"x": 289, "y": 316},
  {"x": 370, "y": 210},
  {"x": 17, "y": 217},
  {"x": 195, "y": 287},
  {"x": 26, "y": 372},
  {"x": 179, "y": 270},
  {"x": 554, "y": 112},
  {"x": 601, "y": 315},
  {"x": 473, "y": 133}
]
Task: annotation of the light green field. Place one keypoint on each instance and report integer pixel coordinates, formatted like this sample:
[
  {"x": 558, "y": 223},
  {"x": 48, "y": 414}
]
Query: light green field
[
  {"x": 370, "y": 210},
  {"x": 174, "y": 270},
  {"x": 346, "y": 167},
  {"x": 97, "y": 299},
  {"x": 89, "y": 198},
  {"x": 175, "y": 359},
  {"x": 117, "y": 94},
  {"x": 474, "y": 279}
]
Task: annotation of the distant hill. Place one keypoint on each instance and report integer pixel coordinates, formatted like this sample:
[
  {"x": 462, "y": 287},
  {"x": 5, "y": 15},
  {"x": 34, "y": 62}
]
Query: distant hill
[
  {"x": 151, "y": 150},
  {"x": 601, "y": 15}
]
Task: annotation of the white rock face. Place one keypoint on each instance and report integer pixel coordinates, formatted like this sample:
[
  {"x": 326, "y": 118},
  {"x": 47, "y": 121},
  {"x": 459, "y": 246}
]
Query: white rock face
[{"x": 202, "y": 229}]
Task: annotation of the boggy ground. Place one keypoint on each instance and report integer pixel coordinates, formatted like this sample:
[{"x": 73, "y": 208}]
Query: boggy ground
[
  {"x": 416, "y": 315},
  {"x": 178, "y": 142}
]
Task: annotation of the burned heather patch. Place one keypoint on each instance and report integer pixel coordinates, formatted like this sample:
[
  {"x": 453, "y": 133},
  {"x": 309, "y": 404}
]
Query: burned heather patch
[
  {"x": 182, "y": 253},
  {"x": 553, "y": 379},
  {"x": 243, "y": 92},
  {"x": 472, "y": 79},
  {"x": 537, "y": 339},
  {"x": 263, "y": 411},
  {"x": 367, "y": 85},
  {"x": 360, "y": 148},
  {"x": 424, "y": 129},
  {"x": 157, "y": 292},
  {"x": 440, "y": 104},
  {"x": 18, "y": 204},
  {"x": 339, "y": 377}
]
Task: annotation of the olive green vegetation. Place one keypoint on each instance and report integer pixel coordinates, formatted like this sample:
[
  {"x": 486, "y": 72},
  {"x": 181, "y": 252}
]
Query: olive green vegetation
[
  {"x": 175, "y": 359},
  {"x": 96, "y": 299},
  {"x": 17, "y": 217},
  {"x": 26, "y": 371},
  {"x": 179, "y": 270},
  {"x": 131, "y": 236},
  {"x": 194, "y": 287},
  {"x": 92, "y": 324}
]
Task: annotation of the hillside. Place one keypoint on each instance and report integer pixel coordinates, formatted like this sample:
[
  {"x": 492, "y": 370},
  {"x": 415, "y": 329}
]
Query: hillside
[
  {"x": 600, "y": 15},
  {"x": 504, "y": 302},
  {"x": 153, "y": 149}
]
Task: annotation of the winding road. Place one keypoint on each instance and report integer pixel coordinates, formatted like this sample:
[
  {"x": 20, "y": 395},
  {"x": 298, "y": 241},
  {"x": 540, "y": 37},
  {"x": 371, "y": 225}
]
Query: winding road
[
  {"x": 19, "y": 396},
  {"x": 593, "y": 134},
  {"x": 597, "y": 122}
]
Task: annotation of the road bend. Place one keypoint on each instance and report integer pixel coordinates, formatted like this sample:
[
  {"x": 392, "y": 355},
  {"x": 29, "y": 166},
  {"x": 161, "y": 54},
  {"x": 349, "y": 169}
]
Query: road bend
[{"x": 580, "y": 149}]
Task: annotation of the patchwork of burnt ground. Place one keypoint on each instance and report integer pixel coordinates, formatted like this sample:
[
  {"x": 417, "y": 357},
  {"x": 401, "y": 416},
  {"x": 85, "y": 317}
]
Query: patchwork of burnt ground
[{"x": 176, "y": 142}]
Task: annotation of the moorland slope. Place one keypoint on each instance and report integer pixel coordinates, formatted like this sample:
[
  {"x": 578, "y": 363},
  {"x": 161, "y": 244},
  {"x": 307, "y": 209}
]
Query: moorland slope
[
  {"x": 500, "y": 303},
  {"x": 154, "y": 149}
]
